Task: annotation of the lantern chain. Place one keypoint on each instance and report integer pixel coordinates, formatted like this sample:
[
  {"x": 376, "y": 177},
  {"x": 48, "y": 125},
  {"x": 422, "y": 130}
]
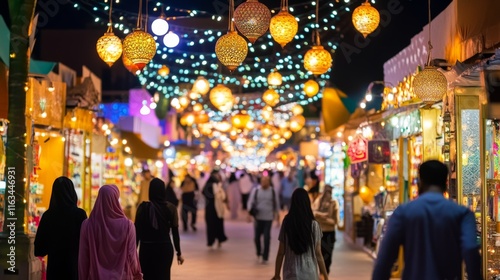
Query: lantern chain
[
  {"x": 430, "y": 44},
  {"x": 139, "y": 15},
  {"x": 231, "y": 14},
  {"x": 110, "y": 23}
]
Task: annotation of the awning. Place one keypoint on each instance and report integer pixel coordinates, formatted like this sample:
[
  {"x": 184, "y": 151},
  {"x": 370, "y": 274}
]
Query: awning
[{"x": 138, "y": 148}]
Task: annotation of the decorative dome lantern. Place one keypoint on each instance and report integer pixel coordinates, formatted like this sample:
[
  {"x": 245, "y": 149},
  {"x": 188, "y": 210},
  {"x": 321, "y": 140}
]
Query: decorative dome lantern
[
  {"x": 365, "y": 18},
  {"x": 201, "y": 85},
  {"x": 430, "y": 85},
  {"x": 231, "y": 49},
  {"x": 297, "y": 123},
  {"x": 240, "y": 120},
  {"x": 139, "y": 47},
  {"x": 252, "y": 19},
  {"x": 221, "y": 97},
  {"x": 317, "y": 60},
  {"x": 164, "y": 71},
  {"x": 274, "y": 78},
  {"x": 283, "y": 26},
  {"x": 271, "y": 97},
  {"x": 311, "y": 88},
  {"x": 109, "y": 46}
]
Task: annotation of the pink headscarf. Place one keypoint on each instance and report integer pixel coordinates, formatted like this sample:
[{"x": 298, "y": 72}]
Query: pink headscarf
[{"x": 107, "y": 241}]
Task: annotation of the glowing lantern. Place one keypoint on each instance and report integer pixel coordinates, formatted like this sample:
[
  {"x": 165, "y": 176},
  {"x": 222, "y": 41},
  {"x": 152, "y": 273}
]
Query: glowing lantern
[
  {"x": 297, "y": 110},
  {"x": 240, "y": 120},
  {"x": 267, "y": 113},
  {"x": 139, "y": 47},
  {"x": 283, "y": 27},
  {"x": 267, "y": 131},
  {"x": 311, "y": 88},
  {"x": 221, "y": 97},
  {"x": 366, "y": 194},
  {"x": 274, "y": 78},
  {"x": 171, "y": 40},
  {"x": 297, "y": 123},
  {"x": 109, "y": 47},
  {"x": 223, "y": 126},
  {"x": 201, "y": 86},
  {"x": 317, "y": 60},
  {"x": 430, "y": 85},
  {"x": 188, "y": 119},
  {"x": 214, "y": 144},
  {"x": 201, "y": 118},
  {"x": 250, "y": 125},
  {"x": 271, "y": 97},
  {"x": 197, "y": 107},
  {"x": 164, "y": 71},
  {"x": 287, "y": 134},
  {"x": 252, "y": 19},
  {"x": 184, "y": 101},
  {"x": 365, "y": 18},
  {"x": 160, "y": 25},
  {"x": 231, "y": 50}
]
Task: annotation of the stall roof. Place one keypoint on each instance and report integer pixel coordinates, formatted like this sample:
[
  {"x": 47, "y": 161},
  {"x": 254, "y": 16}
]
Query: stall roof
[{"x": 139, "y": 148}]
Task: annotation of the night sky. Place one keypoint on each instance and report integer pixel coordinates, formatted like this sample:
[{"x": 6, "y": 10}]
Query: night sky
[{"x": 357, "y": 61}]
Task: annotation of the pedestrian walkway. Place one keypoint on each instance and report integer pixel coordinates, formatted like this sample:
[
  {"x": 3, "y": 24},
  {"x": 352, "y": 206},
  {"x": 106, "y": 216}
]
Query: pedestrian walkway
[{"x": 237, "y": 258}]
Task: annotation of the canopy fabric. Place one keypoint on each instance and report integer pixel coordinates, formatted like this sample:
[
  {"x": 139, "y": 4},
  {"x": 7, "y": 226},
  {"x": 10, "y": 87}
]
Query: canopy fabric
[
  {"x": 139, "y": 148},
  {"x": 334, "y": 111}
]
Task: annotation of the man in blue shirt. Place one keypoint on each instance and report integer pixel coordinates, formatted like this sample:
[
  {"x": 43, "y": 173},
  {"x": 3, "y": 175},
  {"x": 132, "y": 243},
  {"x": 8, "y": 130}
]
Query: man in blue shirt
[{"x": 436, "y": 234}]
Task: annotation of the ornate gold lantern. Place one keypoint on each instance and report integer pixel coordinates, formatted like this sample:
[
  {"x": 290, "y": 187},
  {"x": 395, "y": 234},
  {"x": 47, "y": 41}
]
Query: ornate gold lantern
[
  {"x": 240, "y": 120},
  {"x": 164, "y": 71},
  {"x": 271, "y": 97},
  {"x": 252, "y": 19},
  {"x": 297, "y": 123},
  {"x": 283, "y": 26},
  {"x": 201, "y": 86},
  {"x": 274, "y": 78},
  {"x": 129, "y": 65},
  {"x": 221, "y": 97},
  {"x": 365, "y": 18},
  {"x": 311, "y": 88},
  {"x": 109, "y": 46},
  {"x": 317, "y": 60},
  {"x": 430, "y": 85},
  {"x": 231, "y": 49},
  {"x": 139, "y": 47},
  {"x": 297, "y": 109}
]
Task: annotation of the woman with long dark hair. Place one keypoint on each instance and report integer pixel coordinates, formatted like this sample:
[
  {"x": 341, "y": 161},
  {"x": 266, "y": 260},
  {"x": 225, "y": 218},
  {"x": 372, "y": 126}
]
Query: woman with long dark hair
[
  {"x": 300, "y": 242},
  {"x": 155, "y": 220},
  {"x": 214, "y": 209}
]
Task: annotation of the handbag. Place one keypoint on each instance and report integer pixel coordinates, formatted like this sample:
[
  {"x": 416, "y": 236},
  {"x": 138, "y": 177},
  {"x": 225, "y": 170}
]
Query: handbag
[{"x": 253, "y": 210}]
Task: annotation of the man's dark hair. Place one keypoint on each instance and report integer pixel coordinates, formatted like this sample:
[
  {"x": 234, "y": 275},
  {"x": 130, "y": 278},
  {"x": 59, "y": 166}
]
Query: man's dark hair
[{"x": 433, "y": 173}]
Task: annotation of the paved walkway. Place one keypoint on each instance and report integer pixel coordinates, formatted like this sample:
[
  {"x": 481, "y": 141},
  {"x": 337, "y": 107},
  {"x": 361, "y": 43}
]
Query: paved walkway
[{"x": 237, "y": 260}]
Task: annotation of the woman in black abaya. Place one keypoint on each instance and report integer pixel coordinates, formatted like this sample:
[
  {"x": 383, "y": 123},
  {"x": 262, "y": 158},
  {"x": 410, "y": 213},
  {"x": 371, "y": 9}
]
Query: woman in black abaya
[
  {"x": 154, "y": 221},
  {"x": 214, "y": 209},
  {"x": 58, "y": 234}
]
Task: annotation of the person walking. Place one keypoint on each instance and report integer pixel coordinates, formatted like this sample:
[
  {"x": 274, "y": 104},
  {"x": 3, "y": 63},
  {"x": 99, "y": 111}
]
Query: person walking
[
  {"x": 246, "y": 186},
  {"x": 155, "y": 220},
  {"x": 326, "y": 212},
  {"x": 234, "y": 196},
  {"x": 265, "y": 204},
  {"x": 437, "y": 234},
  {"x": 144, "y": 191},
  {"x": 189, "y": 188},
  {"x": 288, "y": 185},
  {"x": 170, "y": 189},
  {"x": 214, "y": 210},
  {"x": 108, "y": 241},
  {"x": 300, "y": 243},
  {"x": 61, "y": 246}
]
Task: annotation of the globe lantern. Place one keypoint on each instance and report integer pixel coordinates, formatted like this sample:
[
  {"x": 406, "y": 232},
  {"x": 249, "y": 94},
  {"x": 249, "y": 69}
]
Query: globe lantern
[
  {"x": 317, "y": 60},
  {"x": 184, "y": 102},
  {"x": 139, "y": 47},
  {"x": 283, "y": 27},
  {"x": 430, "y": 85},
  {"x": 188, "y": 119},
  {"x": 274, "y": 78},
  {"x": 297, "y": 123},
  {"x": 129, "y": 65},
  {"x": 214, "y": 143},
  {"x": 109, "y": 48},
  {"x": 365, "y": 18},
  {"x": 201, "y": 118},
  {"x": 164, "y": 71},
  {"x": 287, "y": 134},
  {"x": 231, "y": 50},
  {"x": 252, "y": 19},
  {"x": 311, "y": 88},
  {"x": 240, "y": 120},
  {"x": 171, "y": 40},
  {"x": 201, "y": 86},
  {"x": 221, "y": 97},
  {"x": 297, "y": 110},
  {"x": 271, "y": 97},
  {"x": 160, "y": 25}
]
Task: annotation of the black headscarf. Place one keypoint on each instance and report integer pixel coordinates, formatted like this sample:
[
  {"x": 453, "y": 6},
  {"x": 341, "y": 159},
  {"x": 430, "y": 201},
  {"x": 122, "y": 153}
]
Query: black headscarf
[
  {"x": 63, "y": 195},
  {"x": 157, "y": 196}
]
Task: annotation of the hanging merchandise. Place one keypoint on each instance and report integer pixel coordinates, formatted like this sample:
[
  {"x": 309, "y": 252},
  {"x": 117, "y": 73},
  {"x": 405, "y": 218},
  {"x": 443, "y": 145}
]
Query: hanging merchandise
[
  {"x": 252, "y": 19},
  {"x": 317, "y": 59},
  {"x": 365, "y": 18},
  {"x": 283, "y": 26},
  {"x": 109, "y": 46}
]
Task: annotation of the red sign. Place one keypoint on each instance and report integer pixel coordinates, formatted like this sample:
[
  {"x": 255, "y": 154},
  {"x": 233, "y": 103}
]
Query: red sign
[{"x": 358, "y": 149}]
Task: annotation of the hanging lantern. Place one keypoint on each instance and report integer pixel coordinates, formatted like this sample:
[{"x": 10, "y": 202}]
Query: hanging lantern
[
  {"x": 252, "y": 19},
  {"x": 184, "y": 102},
  {"x": 287, "y": 134},
  {"x": 231, "y": 50},
  {"x": 297, "y": 110},
  {"x": 283, "y": 27},
  {"x": 240, "y": 120},
  {"x": 188, "y": 119},
  {"x": 223, "y": 126},
  {"x": 267, "y": 113},
  {"x": 271, "y": 97},
  {"x": 221, "y": 97},
  {"x": 160, "y": 25},
  {"x": 214, "y": 144},
  {"x": 201, "y": 118},
  {"x": 297, "y": 123},
  {"x": 311, "y": 88},
  {"x": 129, "y": 65},
  {"x": 139, "y": 47},
  {"x": 201, "y": 86},
  {"x": 267, "y": 130},
  {"x": 365, "y": 18},
  {"x": 430, "y": 85},
  {"x": 164, "y": 71},
  {"x": 317, "y": 60},
  {"x": 171, "y": 40},
  {"x": 250, "y": 125},
  {"x": 109, "y": 48},
  {"x": 197, "y": 107},
  {"x": 274, "y": 78}
]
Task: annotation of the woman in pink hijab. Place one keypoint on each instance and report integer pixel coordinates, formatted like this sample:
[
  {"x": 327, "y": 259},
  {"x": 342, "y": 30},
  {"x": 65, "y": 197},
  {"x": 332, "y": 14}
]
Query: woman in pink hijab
[{"x": 107, "y": 241}]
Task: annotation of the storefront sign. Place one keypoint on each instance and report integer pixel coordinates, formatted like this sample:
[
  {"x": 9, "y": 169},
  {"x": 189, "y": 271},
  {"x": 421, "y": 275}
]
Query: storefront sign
[
  {"x": 358, "y": 149},
  {"x": 379, "y": 152}
]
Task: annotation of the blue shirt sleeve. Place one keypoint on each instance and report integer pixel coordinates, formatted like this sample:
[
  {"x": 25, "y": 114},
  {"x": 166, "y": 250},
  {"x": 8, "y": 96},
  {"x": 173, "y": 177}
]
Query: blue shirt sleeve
[
  {"x": 470, "y": 247},
  {"x": 389, "y": 250}
]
